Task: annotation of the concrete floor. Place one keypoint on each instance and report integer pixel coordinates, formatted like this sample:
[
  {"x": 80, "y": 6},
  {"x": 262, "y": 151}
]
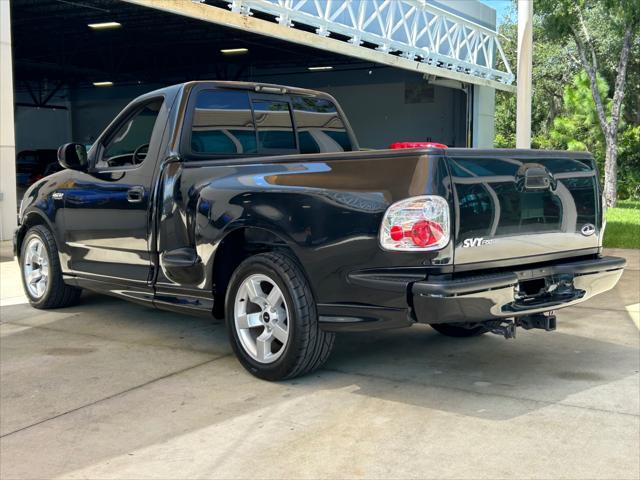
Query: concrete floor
[{"x": 109, "y": 389}]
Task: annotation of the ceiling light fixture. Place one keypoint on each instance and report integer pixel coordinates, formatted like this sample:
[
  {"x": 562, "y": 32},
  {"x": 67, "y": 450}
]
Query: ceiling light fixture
[
  {"x": 319, "y": 69},
  {"x": 104, "y": 25},
  {"x": 103, "y": 84},
  {"x": 234, "y": 51}
]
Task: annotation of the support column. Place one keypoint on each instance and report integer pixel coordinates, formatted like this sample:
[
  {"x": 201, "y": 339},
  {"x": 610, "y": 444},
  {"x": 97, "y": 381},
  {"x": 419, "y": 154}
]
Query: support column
[
  {"x": 8, "y": 200},
  {"x": 525, "y": 46},
  {"x": 483, "y": 119}
]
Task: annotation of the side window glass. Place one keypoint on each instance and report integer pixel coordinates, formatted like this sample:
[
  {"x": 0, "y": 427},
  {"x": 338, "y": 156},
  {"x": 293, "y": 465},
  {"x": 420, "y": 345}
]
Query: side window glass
[
  {"x": 274, "y": 125},
  {"x": 320, "y": 128},
  {"x": 129, "y": 144},
  {"x": 223, "y": 123}
]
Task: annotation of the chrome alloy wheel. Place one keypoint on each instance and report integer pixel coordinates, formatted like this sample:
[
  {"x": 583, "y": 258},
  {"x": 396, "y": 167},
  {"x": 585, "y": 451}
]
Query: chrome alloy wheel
[
  {"x": 261, "y": 318},
  {"x": 35, "y": 267}
]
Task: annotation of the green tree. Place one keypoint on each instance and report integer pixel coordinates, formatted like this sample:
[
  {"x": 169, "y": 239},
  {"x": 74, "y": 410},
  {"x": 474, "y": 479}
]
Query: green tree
[
  {"x": 554, "y": 65},
  {"x": 578, "y": 127},
  {"x": 629, "y": 146},
  {"x": 588, "y": 23}
]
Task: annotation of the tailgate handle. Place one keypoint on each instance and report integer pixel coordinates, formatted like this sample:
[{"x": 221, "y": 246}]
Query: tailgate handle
[{"x": 534, "y": 177}]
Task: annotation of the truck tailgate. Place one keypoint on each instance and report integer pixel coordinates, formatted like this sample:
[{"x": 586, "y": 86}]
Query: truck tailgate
[{"x": 523, "y": 205}]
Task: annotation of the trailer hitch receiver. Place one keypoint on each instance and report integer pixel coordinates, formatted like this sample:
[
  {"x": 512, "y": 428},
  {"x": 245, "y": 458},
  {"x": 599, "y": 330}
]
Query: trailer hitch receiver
[
  {"x": 507, "y": 327},
  {"x": 538, "y": 320}
]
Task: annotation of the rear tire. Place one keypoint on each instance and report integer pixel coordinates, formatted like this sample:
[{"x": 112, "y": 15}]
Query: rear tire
[
  {"x": 460, "y": 330},
  {"x": 41, "y": 271},
  {"x": 272, "y": 319}
]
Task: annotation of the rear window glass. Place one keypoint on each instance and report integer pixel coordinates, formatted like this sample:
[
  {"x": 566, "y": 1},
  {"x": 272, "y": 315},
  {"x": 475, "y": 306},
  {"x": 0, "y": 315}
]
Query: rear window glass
[
  {"x": 274, "y": 125},
  {"x": 320, "y": 128},
  {"x": 231, "y": 122},
  {"x": 223, "y": 123}
]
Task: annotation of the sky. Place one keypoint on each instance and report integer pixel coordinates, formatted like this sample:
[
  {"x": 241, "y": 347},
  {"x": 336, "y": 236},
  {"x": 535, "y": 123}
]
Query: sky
[{"x": 502, "y": 8}]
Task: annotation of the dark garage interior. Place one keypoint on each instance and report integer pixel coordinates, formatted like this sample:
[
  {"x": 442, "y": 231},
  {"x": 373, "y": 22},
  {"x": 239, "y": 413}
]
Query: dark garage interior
[{"x": 61, "y": 66}]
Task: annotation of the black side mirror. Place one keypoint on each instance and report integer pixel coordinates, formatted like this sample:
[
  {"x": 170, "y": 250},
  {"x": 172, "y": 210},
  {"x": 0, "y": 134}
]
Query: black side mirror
[{"x": 73, "y": 156}]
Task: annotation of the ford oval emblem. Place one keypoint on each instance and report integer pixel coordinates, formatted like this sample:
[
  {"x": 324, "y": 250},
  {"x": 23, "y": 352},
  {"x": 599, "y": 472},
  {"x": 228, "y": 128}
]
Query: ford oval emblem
[{"x": 588, "y": 229}]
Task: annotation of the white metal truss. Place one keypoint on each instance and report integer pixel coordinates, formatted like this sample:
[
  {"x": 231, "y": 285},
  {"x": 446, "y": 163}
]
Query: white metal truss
[
  {"x": 413, "y": 29},
  {"x": 408, "y": 34}
]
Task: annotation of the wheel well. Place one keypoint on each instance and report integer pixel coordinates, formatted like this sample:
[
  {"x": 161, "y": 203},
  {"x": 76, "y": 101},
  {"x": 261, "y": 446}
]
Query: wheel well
[
  {"x": 31, "y": 220},
  {"x": 232, "y": 251}
]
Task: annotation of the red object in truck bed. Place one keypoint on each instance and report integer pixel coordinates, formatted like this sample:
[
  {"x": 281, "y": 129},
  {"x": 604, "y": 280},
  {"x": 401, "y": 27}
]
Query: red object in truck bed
[{"x": 417, "y": 145}]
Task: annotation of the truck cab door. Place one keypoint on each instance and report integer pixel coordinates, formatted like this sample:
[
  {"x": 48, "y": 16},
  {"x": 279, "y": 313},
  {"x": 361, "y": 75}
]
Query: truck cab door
[{"x": 107, "y": 210}]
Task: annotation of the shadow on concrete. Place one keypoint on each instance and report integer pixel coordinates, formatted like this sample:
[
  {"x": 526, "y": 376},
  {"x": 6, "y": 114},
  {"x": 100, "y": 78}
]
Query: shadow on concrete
[
  {"x": 108, "y": 379},
  {"x": 526, "y": 374},
  {"x": 107, "y": 370},
  {"x": 539, "y": 367}
]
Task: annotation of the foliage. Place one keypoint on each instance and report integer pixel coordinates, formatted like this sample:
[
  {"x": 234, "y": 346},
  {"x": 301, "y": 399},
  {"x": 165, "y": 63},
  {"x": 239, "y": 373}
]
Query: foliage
[
  {"x": 576, "y": 19},
  {"x": 629, "y": 175},
  {"x": 554, "y": 65},
  {"x": 578, "y": 127},
  {"x": 623, "y": 225},
  {"x": 505, "y": 120},
  {"x": 564, "y": 114}
]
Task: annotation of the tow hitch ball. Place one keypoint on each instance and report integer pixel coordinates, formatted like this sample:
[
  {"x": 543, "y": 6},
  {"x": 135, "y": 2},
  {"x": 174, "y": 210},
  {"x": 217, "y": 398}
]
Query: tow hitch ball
[{"x": 507, "y": 328}]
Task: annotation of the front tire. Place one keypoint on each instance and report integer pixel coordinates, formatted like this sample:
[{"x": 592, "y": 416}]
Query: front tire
[
  {"x": 272, "y": 319},
  {"x": 41, "y": 271},
  {"x": 460, "y": 330}
]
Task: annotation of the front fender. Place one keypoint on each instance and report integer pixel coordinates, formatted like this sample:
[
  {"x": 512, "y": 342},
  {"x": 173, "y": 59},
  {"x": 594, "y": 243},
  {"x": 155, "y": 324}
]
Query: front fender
[{"x": 40, "y": 206}]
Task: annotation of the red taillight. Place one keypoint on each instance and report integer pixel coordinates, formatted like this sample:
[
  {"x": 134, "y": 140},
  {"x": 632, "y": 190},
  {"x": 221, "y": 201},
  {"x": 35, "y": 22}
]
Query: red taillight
[
  {"x": 417, "y": 145},
  {"x": 422, "y": 233},
  {"x": 416, "y": 224},
  {"x": 425, "y": 233}
]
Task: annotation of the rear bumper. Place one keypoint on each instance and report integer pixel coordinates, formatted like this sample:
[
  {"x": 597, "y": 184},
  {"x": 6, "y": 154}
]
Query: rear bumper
[
  {"x": 473, "y": 298},
  {"x": 503, "y": 295}
]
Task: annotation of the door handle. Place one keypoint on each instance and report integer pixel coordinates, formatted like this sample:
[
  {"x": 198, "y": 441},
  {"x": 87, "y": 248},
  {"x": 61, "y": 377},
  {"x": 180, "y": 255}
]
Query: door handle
[{"x": 135, "y": 194}]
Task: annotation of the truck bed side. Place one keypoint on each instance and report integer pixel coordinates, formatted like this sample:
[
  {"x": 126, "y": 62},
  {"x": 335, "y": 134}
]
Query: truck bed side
[{"x": 324, "y": 209}]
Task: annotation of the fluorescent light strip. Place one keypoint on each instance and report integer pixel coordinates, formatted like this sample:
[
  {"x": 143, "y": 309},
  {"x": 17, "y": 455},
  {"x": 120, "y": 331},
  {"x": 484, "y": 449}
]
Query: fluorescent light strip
[
  {"x": 104, "y": 25},
  {"x": 103, "y": 84},
  {"x": 319, "y": 69},
  {"x": 232, "y": 51}
]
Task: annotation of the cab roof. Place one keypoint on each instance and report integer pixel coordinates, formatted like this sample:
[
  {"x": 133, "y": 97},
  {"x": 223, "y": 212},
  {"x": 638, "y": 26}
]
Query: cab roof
[{"x": 255, "y": 87}]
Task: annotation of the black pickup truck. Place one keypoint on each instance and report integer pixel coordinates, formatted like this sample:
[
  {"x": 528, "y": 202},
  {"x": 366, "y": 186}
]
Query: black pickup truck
[{"x": 253, "y": 203}]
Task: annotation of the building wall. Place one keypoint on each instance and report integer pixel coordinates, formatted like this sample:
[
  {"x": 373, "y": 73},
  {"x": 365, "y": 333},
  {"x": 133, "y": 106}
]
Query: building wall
[
  {"x": 383, "y": 106},
  {"x": 41, "y": 128},
  {"x": 8, "y": 201},
  {"x": 472, "y": 10},
  {"x": 94, "y": 108},
  {"x": 386, "y": 105},
  {"x": 88, "y": 112},
  {"x": 484, "y": 110},
  {"x": 380, "y": 115}
]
